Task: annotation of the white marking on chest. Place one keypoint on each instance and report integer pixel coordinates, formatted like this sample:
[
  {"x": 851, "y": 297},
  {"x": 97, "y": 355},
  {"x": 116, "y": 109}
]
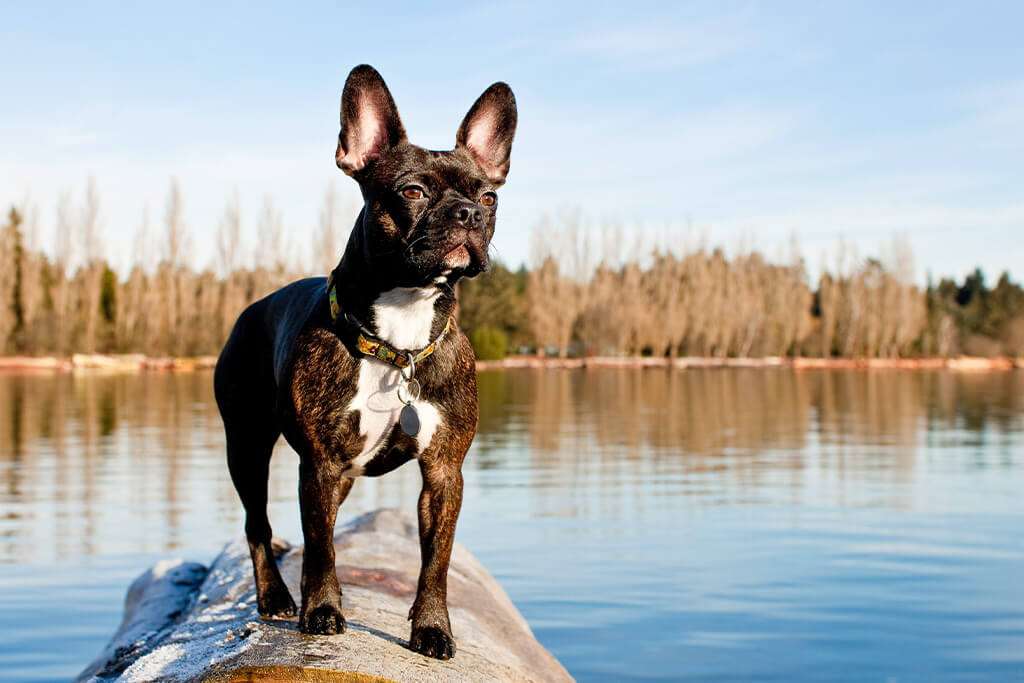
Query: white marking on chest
[
  {"x": 377, "y": 401},
  {"x": 404, "y": 316}
]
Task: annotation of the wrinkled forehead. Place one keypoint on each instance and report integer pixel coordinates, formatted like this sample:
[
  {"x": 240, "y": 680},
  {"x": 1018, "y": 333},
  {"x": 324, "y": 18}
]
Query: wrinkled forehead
[{"x": 440, "y": 170}]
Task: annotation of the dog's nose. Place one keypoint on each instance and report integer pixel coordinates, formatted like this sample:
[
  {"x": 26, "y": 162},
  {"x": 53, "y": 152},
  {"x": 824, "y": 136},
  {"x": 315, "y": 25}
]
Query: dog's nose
[{"x": 466, "y": 214}]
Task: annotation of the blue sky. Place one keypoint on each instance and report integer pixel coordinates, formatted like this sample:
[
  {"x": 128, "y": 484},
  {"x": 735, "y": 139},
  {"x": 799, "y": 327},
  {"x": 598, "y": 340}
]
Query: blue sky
[{"x": 747, "y": 121}]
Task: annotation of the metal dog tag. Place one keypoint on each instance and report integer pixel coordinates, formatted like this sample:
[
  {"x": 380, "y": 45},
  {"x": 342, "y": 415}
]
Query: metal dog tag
[{"x": 409, "y": 419}]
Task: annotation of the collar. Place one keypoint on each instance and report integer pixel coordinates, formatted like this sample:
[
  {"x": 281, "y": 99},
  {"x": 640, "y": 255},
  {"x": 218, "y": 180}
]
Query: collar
[{"x": 372, "y": 346}]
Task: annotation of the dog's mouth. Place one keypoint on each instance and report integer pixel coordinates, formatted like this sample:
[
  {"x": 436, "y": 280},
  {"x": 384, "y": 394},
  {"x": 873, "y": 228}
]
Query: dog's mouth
[
  {"x": 458, "y": 257},
  {"x": 466, "y": 257}
]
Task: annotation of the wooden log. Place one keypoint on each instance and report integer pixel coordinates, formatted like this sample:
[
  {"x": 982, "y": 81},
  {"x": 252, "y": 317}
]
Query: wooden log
[{"x": 184, "y": 622}]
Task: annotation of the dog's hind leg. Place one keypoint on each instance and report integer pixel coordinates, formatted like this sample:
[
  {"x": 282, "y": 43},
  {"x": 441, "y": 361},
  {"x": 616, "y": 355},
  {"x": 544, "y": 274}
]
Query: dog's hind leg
[
  {"x": 245, "y": 391},
  {"x": 249, "y": 451}
]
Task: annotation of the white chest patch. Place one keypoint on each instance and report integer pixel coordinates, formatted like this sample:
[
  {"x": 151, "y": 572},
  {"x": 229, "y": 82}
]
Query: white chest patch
[
  {"x": 377, "y": 401},
  {"x": 403, "y": 317}
]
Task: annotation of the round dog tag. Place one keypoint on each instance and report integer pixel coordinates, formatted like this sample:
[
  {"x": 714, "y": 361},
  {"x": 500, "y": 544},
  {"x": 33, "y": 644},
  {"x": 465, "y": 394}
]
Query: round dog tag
[{"x": 409, "y": 419}]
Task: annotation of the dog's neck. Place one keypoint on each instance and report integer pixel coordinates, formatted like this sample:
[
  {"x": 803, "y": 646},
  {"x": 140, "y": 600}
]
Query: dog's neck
[{"x": 405, "y": 317}]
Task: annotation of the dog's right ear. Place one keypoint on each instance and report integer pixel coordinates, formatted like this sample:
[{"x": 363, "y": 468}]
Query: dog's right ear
[{"x": 369, "y": 120}]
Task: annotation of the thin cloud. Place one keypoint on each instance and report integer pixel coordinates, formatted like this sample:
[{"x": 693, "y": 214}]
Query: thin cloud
[
  {"x": 63, "y": 136},
  {"x": 654, "y": 45},
  {"x": 997, "y": 112}
]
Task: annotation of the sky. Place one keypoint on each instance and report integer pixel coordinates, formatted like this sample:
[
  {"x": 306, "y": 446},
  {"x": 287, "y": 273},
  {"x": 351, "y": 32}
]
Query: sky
[{"x": 741, "y": 124}]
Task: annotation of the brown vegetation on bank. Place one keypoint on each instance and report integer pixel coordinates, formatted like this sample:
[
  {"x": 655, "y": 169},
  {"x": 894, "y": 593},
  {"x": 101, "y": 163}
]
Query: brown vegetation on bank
[
  {"x": 599, "y": 293},
  {"x": 139, "y": 362},
  {"x": 607, "y": 292}
]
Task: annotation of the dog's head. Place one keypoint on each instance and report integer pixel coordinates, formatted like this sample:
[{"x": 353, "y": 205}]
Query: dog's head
[{"x": 427, "y": 214}]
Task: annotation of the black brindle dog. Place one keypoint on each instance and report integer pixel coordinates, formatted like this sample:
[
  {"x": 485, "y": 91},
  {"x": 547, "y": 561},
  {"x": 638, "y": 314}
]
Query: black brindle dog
[{"x": 366, "y": 370}]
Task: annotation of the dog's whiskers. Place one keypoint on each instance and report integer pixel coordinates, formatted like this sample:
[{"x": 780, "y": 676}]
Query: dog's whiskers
[{"x": 414, "y": 242}]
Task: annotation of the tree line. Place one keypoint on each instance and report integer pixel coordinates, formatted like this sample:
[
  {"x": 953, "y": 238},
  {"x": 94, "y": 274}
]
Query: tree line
[
  {"x": 595, "y": 292},
  {"x": 585, "y": 292}
]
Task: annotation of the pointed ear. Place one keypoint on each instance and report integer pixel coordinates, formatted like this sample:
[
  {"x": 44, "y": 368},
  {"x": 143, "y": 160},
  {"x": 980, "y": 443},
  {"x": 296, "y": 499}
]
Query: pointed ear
[
  {"x": 488, "y": 129},
  {"x": 369, "y": 120}
]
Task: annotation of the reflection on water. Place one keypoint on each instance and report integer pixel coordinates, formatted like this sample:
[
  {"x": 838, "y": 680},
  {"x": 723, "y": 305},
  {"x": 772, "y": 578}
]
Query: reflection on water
[
  {"x": 105, "y": 464},
  {"x": 649, "y": 523}
]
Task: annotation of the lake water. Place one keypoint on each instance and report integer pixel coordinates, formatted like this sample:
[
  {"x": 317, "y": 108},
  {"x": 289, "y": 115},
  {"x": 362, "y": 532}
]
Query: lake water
[{"x": 727, "y": 524}]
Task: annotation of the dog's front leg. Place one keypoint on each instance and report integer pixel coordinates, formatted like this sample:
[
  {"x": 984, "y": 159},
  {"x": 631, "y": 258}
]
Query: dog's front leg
[
  {"x": 321, "y": 491},
  {"x": 439, "y": 506}
]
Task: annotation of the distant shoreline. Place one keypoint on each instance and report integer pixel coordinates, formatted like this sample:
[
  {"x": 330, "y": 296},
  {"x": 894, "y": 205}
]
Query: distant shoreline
[
  {"x": 695, "y": 362},
  {"x": 141, "y": 363},
  {"x": 133, "y": 362}
]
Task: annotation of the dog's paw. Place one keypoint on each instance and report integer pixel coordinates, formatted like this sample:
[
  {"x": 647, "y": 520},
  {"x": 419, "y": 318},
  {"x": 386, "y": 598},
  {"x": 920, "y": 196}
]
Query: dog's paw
[
  {"x": 276, "y": 604},
  {"x": 322, "y": 621},
  {"x": 432, "y": 642}
]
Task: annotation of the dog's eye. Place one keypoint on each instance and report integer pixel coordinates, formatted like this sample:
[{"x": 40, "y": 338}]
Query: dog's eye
[
  {"x": 488, "y": 198},
  {"x": 412, "y": 192}
]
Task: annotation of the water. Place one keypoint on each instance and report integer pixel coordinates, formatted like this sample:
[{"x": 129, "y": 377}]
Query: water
[{"x": 706, "y": 524}]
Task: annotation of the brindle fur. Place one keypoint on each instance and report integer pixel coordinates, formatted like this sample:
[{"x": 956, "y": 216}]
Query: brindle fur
[{"x": 289, "y": 369}]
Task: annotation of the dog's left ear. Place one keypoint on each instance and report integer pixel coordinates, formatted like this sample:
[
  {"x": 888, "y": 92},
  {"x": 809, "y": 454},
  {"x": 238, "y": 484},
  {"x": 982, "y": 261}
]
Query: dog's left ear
[{"x": 488, "y": 129}]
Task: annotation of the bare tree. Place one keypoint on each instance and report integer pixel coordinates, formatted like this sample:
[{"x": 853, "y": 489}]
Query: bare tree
[
  {"x": 63, "y": 246},
  {"x": 556, "y": 291},
  {"x": 9, "y": 278},
  {"x": 327, "y": 244},
  {"x": 597, "y": 324},
  {"x": 542, "y": 290},
  {"x": 795, "y": 306},
  {"x": 697, "y": 272},
  {"x": 673, "y": 302},
  {"x": 906, "y": 302},
  {"x": 91, "y": 273},
  {"x": 273, "y": 245},
  {"x": 229, "y": 238},
  {"x": 170, "y": 273},
  {"x": 177, "y": 241},
  {"x": 32, "y": 294},
  {"x": 230, "y": 250}
]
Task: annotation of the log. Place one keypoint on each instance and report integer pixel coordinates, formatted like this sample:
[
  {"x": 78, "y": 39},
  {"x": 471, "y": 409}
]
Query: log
[{"x": 187, "y": 622}]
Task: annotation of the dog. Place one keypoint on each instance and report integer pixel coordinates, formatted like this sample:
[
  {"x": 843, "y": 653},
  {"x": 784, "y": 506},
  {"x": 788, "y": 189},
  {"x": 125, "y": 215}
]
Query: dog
[{"x": 367, "y": 369}]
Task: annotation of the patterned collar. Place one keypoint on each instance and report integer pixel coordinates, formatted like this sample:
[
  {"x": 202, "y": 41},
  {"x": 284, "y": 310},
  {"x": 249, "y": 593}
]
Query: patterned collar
[{"x": 372, "y": 346}]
